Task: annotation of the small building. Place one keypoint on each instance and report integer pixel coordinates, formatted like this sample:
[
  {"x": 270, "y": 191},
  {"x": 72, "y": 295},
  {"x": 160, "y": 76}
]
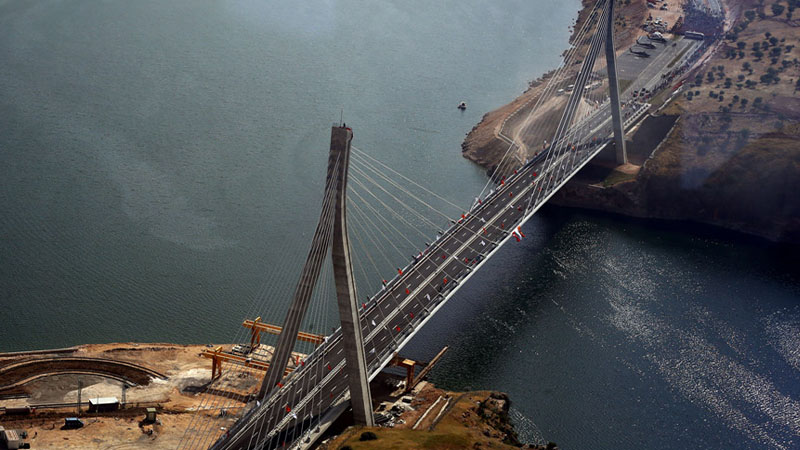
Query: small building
[
  {"x": 101, "y": 404},
  {"x": 150, "y": 415},
  {"x": 72, "y": 423},
  {"x": 10, "y": 438}
]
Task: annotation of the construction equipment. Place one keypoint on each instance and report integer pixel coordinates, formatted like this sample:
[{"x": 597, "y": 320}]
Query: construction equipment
[
  {"x": 408, "y": 364},
  {"x": 257, "y": 326},
  {"x": 217, "y": 356}
]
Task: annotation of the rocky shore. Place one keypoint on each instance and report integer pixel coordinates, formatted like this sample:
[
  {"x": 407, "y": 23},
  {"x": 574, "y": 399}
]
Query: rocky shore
[
  {"x": 733, "y": 164},
  {"x": 441, "y": 419}
]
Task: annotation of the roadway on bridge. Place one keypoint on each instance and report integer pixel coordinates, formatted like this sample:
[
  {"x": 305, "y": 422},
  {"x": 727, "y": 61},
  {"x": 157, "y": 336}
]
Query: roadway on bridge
[{"x": 393, "y": 314}]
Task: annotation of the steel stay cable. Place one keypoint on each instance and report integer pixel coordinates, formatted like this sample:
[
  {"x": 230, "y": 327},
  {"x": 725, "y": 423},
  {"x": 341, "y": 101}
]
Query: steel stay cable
[
  {"x": 328, "y": 210},
  {"x": 559, "y": 77},
  {"x": 366, "y": 252},
  {"x": 371, "y": 236},
  {"x": 552, "y": 82},
  {"x": 326, "y": 207},
  {"x": 464, "y": 214},
  {"x": 558, "y": 146},
  {"x": 367, "y": 165},
  {"x": 201, "y": 421},
  {"x": 458, "y": 224},
  {"x": 413, "y": 211},
  {"x": 360, "y": 172},
  {"x": 392, "y": 211},
  {"x": 424, "y": 218},
  {"x": 239, "y": 368},
  {"x": 377, "y": 213},
  {"x": 322, "y": 294},
  {"x": 363, "y": 215},
  {"x": 358, "y": 153},
  {"x": 588, "y": 24}
]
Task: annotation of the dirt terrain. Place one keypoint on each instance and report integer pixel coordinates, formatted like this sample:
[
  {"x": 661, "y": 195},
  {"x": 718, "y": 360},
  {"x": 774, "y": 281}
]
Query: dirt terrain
[
  {"x": 438, "y": 419},
  {"x": 179, "y": 389},
  {"x": 486, "y": 147},
  {"x": 732, "y": 158},
  {"x": 175, "y": 394}
]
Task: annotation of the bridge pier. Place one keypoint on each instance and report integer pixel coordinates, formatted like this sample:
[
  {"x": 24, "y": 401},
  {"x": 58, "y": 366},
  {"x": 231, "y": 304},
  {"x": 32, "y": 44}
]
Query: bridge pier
[
  {"x": 346, "y": 297},
  {"x": 613, "y": 89},
  {"x": 331, "y": 234}
]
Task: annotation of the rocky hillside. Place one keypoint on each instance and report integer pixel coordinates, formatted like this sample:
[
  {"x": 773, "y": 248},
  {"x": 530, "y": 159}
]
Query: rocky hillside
[
  {"x": 455, "y": 421},
  {"x": 732, "y": 158}
]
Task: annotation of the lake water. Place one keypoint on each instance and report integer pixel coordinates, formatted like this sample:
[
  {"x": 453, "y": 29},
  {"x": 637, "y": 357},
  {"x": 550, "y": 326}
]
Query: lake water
[{"x": 162, "y": 165}]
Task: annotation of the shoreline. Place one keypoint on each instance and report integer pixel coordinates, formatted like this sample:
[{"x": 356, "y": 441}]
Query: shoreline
[
  {"x": 661, "y": 185},
  {"x": 173, "y": 379}
]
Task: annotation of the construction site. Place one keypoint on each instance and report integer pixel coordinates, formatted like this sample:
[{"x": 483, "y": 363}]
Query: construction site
[{"x": 137, "y": 395}]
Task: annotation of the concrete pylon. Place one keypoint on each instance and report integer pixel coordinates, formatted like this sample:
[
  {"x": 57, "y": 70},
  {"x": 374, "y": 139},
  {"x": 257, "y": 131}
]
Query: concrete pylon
[
  {"x": 331, "y": 233},
  {"x": 613, "y": 89},
  {"x": 346, "y": 295}
]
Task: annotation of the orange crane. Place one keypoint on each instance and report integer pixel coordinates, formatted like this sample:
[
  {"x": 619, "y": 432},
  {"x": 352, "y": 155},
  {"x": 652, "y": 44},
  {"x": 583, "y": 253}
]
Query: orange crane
[
  {"x": 257, "y": 326},
  {"x": 217, "y": 356}
]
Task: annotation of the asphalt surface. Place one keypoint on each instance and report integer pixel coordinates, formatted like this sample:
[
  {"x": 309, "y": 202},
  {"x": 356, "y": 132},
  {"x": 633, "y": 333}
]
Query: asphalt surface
[
  {"x": 390, "y": 318},
  {"x": 646, "y": 71}
]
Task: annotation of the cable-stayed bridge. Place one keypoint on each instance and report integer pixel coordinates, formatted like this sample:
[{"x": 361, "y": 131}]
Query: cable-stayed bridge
[{"x": 302, "y": 393}]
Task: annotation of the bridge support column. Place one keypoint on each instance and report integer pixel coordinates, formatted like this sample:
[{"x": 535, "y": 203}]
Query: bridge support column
[
  {"x": 613, "y": 89},
  {"x": 346, "y": 296},
  {"x": 331, "y": 234}
]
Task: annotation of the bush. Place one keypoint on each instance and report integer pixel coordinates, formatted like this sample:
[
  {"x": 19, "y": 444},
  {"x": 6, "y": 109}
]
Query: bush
[
  {"x": 368, "y": 436},
  {"x": 777, "y": 9}
]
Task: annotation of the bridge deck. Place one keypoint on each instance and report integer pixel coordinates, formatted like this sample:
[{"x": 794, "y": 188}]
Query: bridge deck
[{"x": 392, "y": 317}]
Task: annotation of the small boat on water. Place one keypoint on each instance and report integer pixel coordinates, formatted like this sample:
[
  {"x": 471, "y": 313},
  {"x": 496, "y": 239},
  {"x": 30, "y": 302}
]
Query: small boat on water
[{"x": 462, "y": 106}]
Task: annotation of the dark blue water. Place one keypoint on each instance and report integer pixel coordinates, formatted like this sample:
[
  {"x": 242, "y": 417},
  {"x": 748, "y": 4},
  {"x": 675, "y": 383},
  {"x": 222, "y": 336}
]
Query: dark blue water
[
  {"x": 611, "y": 333},
  {"x": 162, "y": 164}
]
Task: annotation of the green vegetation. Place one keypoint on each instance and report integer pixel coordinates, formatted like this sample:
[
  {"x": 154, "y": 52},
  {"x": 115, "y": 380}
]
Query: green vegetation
[
  {"x": 677, "y": 57},
  {"x": 368, "y": 436},
  {"x": 616, "y": 177}
]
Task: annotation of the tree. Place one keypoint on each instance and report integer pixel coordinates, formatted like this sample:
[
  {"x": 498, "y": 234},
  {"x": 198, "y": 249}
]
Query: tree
[
  {"x": 750, "y": 15},
  {"x": 773, "y": 40},
  {"x": 744, "y": 135},
  {"x": 746, "y": 66},
  {"x": 741, "y": 45},
  {"x": 777, "y": 9}
]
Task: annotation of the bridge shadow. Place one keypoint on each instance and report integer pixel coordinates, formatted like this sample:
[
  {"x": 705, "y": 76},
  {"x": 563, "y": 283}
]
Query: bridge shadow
[{"x": 207, "y": 389}]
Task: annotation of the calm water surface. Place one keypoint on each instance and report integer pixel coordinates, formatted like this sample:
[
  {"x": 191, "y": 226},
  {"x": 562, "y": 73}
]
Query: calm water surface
[{"x": 162, "y": 165}]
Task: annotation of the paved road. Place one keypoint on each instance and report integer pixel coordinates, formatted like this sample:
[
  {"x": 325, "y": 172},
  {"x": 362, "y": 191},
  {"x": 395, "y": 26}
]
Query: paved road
[
  {"x": 647, "y": 72},
  {"x": 390, "y": 318}
]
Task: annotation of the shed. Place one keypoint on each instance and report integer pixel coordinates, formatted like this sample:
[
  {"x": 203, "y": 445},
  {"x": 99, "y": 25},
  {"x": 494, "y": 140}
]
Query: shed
[
  {"x": 150, "y": 416},
  {"x": 11, "y": 438},
  {"x": 100, "y": 404},
  {"x": 71, "y": 423}
]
